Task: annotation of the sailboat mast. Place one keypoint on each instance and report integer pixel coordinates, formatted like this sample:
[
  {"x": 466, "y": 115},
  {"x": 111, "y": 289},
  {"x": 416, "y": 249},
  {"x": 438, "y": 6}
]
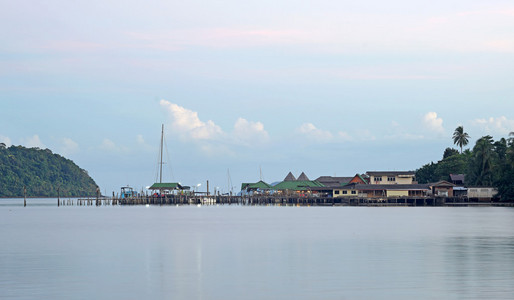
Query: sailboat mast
[{"x": 162, "y": 141}]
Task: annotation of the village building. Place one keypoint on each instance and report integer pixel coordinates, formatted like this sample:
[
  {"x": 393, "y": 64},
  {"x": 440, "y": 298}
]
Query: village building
[
  {"x": 330, "y": 181},
  {"x": 165, "y": 188},
  {"x": 391, "y": 177},
  {"x": 258, "y": 187},
  {"x": 442, "y": 188},
  {"x": 382, "y": 190},
  {"x": 481, "y": 193},
  {"x": 457, "y": 179},
  {"x": 301, "y": 186}
]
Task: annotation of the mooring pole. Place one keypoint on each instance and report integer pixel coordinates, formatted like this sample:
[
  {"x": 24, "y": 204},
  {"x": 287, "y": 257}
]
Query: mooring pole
[
  {"x": 58, "y": 196},
  {"x": 24, "y": 196},
  {"x": 207, "y": 187}
]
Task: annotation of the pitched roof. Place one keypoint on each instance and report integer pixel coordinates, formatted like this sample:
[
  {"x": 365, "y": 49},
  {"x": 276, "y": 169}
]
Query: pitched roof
[
  {"x": 253, "y": 186},
  {"x": 297, "y": 185},
  {"x": 359, "y": 177},
  {"x": 442, "y": 183},
  {"x": 457, "y": 177},
  {"x": 303, "y": 177},
  {"x": 394, "y": 173},
  {"x": 290, "y": 177},
  {"x": 166, "y": 186},
  {"x": 333, "y": 181}
]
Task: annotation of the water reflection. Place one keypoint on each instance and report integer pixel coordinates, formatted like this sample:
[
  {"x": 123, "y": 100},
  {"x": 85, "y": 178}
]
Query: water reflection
[{"x": 256, "y": 253}]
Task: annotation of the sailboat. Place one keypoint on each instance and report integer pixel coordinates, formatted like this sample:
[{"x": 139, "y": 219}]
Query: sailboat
[{"x": 160, "y": 189}]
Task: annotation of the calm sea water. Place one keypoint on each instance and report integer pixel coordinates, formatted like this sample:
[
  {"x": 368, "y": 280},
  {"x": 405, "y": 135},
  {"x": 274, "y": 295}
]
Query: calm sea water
[{"x": 234, "y": 252}]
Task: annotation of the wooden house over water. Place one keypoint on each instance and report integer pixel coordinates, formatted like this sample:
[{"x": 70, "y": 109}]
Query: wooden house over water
[
  {"x": 382, "y": 190},
  {"x": 302, "y": 186},
  {"x": 330, "y": 181},
  {"x": 457, "y": 179},
  {"x": 258, "y": 187},
  {"x": 442, "y": 188},
  {"x": 167, "y": 188}
]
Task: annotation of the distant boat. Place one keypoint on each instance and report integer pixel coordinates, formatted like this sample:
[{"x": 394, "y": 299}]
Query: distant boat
[{"x": 127, "y": 192}]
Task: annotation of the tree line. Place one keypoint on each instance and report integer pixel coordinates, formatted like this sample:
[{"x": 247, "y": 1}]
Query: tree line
[
  {"x": 489, "y": 163},
  {"x": 42, "y": 173}
]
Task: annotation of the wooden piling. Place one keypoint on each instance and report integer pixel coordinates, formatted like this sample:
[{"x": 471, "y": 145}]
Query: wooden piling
[{"x": 24, "y": 196}]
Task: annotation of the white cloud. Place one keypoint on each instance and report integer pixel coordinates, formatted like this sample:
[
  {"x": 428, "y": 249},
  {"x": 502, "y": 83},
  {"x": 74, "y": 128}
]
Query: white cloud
[
  {"x": 433, "y": 123},
  {"x": 189, "y": 125},
  {"x": 500, "y": 125},
  {"x": 6, "y": 140},
  {"x": 344, "y": 136},
  {"x": 140, "y": 140},
  {"x": 33, "y": 142},
  {"x": 69, "y": 146},
  {"x": 110, "y": 146},
  {"x": 210, "y": 138},
  {"x": 310, "y": 131},
  {"x": 248, "y": 132}
]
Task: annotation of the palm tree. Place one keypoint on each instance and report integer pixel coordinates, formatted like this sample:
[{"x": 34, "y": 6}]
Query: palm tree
[
  {"x": 460, "y": 137},
  {"x": 482, "y": 163}
]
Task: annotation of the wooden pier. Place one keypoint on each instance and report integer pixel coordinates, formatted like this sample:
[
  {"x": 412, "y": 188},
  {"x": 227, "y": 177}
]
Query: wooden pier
[{"x": 276, "y": 200}]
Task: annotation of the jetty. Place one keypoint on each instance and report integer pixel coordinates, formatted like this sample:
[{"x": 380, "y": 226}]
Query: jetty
[{"x": 175, "y": 200}]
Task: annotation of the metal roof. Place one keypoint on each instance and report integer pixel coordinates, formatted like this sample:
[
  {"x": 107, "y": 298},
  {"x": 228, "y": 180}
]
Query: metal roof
[
  {"x": 297, "y": 185},
  {"x": 253, "y": 186},
  {"x": 166, "y": 186},
  {"x": 334, "y": 181},
  {"x": 457, "y": 177},
  {"x": 394, "y": 173}
]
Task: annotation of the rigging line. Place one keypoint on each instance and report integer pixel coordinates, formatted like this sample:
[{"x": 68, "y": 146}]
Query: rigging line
[
  {"x": 156, "y": 172},
  {"x": 229, "y": 181},
  {"x": 158, "y": 164},
  {"x": 169, "y": 161}
]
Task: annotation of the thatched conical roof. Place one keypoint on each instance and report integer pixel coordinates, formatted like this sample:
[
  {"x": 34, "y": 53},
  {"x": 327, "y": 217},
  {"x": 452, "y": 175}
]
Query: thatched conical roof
[
  {"x": 303, "y": 177},
  {"x": 290, "y": 177}
]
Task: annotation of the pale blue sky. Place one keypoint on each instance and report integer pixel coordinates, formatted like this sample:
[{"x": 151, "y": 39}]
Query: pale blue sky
[{"x": 325, "y": 87}]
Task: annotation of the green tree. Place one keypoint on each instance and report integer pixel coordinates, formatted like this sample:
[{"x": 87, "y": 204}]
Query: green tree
[
  {"x": 41, "y": 172},
  {"x": 482, "y": 163},
  {"x": 460, "y": 138},
  {"x": 427, "y": 173},
  {"x": 449, "y": 152},
  {"x": 505, "y": 179}
]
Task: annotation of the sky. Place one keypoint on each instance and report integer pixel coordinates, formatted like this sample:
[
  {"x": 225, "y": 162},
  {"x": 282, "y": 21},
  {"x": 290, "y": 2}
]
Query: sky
[{"x": 252, "y": 89}]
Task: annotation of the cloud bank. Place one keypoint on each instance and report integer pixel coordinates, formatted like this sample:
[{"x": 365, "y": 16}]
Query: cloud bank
[
  {"x": 499, "y": 125},
  {"x": 189, "y": 127}
]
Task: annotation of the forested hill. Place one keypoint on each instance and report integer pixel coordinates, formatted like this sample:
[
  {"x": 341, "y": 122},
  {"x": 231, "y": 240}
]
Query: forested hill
[{"x": 42, "y": 172}]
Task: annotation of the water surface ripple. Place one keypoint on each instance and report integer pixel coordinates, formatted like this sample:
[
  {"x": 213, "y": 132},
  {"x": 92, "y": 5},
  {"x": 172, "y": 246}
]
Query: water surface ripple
[{"x": 234, "y": 252}]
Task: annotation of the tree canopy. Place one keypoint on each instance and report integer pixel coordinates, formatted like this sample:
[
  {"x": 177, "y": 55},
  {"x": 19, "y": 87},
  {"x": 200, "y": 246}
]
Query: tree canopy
[
  {"x": 43, "y": 173},
  {"x": 490, "y": 163}
]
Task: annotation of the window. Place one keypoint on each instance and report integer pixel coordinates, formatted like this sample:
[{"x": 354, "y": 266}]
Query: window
[
  {"x": 354, "y": 192},
  {"x": 377, "y": 178},
  {"x": 345, "y": 192},
  {"x": 390, "y": 178},
  {"x": 336, "y": 192}
]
